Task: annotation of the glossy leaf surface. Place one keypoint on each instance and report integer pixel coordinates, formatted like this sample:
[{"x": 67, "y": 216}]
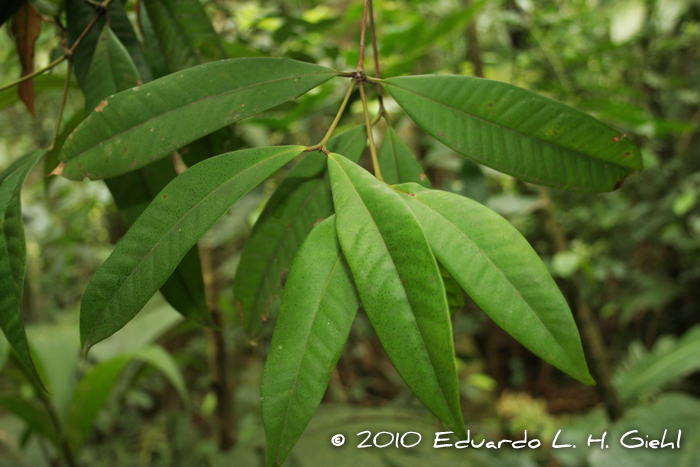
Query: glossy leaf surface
[
  {"x": 299, "y": 202},
  {"x": 397, "y": 162},
  {"x": 171, "y": 225},
  {"x": 319, "y": 305},
  {"x": 400, "y": 285},
  {"x": 518, "y": 132},
  {"x": 111, "y": 71},
  {"x": 13, "y": 255},
  {"x": 185, "y": 35},
  {"x": 501, "y": 272},
  {"x": 141, "y": 125}
]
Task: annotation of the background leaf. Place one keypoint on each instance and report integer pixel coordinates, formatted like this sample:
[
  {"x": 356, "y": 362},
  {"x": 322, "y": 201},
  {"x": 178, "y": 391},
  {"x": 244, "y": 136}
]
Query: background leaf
[
  {"x": 139, "y": 126},
  {"x": 26, "y": 27},
  {"x": 400, "y": 286},
  {"x": 13, "y": 252},
  {"x": 34, "y": 415},
  {"x": 518, "y": 132},
  {"x": 397, "y": 162},
  {"x": 184, "y": 33},
  {"x": 176, "y": 219},
  {"x": 302, "y": 199},
  {"x": 319, "y": 305},
  {"x": 501, "y": 272}
]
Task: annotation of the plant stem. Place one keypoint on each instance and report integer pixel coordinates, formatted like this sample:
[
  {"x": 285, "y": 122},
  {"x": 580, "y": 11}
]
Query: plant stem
[
  {"x": 361, "y": 63},
  {"x": 322, "y": 145},
  {"x": 63, "y": 106},
  {"x": 376, "y": 59},
  {"x": 368, "y": 124},
  {"x": 68, "y": 55},
  {"x": 34, "y": 73}
]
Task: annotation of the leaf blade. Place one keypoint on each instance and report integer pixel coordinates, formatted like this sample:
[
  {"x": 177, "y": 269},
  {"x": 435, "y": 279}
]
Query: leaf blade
[
  {"x": 299, "y": 202},
  {"x": 505, "y": 276},
  {"x": 400, "y": 286},
  {"x": 319, "y": 305},
  {"x": 26, "y": 27},
  {"x": 518, "y": 132},
  {"x": 136, "y": 127},
  {"x": 13, "y": 257},
  {"x": 160, "y": 237}
]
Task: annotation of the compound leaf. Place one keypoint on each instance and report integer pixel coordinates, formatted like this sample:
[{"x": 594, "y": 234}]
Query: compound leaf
[
  {"x": 518, "y": 132},
  {"x": 136, "y": 127},
  {"x": 501, "y": 272},
  {"x": 301, "y": 200},
  {"x": 169, "y": 227},
  {"x": 397, "y": 162},
  {"x": 400, "y": 285},
  {"x": 13, "y": 256},
  {"x": 318, "y": 307}
]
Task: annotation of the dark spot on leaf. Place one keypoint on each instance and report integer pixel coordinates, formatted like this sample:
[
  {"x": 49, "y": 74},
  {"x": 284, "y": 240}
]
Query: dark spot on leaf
[
  {"x": 490, "y": 105},
  {"x": 80, "y": 166},
  {"x": 165, "y": 196},
  {"x": 618, "y": 184},
  {"x": 626, "y": 154},
  {"x": 283, "y": 278},
  {"x": 222, "y": 74},
  {"x": 616, "y": 139},
  {"x": 124, "y": 149},
  {"x": 439, "y": 133},
  {"x": 318, "y": 221},
  {"x": 412, "y": 194}
]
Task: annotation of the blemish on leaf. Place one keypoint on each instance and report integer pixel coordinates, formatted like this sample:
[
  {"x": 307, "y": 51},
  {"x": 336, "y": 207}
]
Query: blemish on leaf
[
  {"x": 102, "y": 105},
  {"x": 80, "y": 166},
  {"x": 490, "y": 105},
  {"x": 242, "y": 105},
  {"x": 617, "y": 138},
  {"x": 222, "y": 74},
  {"x": 165, "y": 196},
  {"x": 125, "y": 149},
  {"x": 626, "y": 154},
  {"x": 422, "y": 177},
  {"x": 440, "y": 133},
  {"x": 58, "y": 171},
  {"x": 318, "y": 221},
  {"x": 412, "y": 194},
  {"x": 618, "y": 184}
]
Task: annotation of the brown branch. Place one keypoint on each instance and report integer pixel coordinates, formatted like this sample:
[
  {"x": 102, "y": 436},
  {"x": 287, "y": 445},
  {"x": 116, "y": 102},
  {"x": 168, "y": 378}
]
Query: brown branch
[{"x": 376, "y": 59}]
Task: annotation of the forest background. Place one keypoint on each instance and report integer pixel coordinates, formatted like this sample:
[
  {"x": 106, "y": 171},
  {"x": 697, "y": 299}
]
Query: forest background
[{"x": 628, "y": 261}]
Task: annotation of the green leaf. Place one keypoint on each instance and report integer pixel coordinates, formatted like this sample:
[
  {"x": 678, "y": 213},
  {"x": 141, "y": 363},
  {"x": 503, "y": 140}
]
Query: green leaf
[
  {"x": 301, "y": 200},
  {"x": 185, "y": 35},
  {"x": 397, "y": 163},
  {"x": 518, "y": 132},
  {"x": 141, "y": 125},
  {"x": 79, "y": 14},
  {"x": 319, "y": 305},
  {"x": 111, "y": 71},
  {"x": 501, "y": 272},
  {"x": 35, "y": 416},
  {"x": 93, "y": 391},
  {"x": 171, "y": 225},
  {"x": 13, "y": 255},
  {"x": 651, "y": 371},
  {"x": 399, "y": 284}
]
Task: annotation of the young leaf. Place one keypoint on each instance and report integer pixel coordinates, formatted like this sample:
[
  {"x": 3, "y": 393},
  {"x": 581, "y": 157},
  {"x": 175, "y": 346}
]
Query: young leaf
[
  {"x": 136, "y": 127},
  {"x": 176, "y": 219},
  {"x": 319, "y": 305},
  {"x": 501, "y": 272},
  {"x": 13, "y": 255},
  {"x": 26, "y": 27},
  {"x": 399, "y": 284},
  {"x": 185, "y": 34},
  {"x": 397, "y": 163},
  {"x": 111, "y": 71},
  {"x": 94, "y": 389},
  {"x": 299, "y": 202},
  {"x": 518, "y": 132}
]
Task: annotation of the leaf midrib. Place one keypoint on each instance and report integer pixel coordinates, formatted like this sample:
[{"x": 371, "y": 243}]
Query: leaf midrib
[
  {"x": 576, "y": 152},
  {"x": 167, "y": 232},
  {"x": 488, "y": 258},
  {"x": 132, "y": 128}
]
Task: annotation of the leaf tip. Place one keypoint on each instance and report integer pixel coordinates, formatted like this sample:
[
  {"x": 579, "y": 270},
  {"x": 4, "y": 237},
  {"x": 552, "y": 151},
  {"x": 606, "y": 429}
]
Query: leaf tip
[{"x": 58, "y": 171}]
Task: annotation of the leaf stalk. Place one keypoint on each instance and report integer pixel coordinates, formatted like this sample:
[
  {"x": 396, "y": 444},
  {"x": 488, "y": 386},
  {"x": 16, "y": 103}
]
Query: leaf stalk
[{"x": 368, "y": 124}]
